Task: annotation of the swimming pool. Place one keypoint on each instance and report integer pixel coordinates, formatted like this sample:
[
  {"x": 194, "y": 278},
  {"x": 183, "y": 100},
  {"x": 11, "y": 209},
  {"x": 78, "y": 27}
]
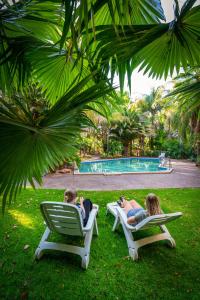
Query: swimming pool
[{"x": 123, "y": 165}]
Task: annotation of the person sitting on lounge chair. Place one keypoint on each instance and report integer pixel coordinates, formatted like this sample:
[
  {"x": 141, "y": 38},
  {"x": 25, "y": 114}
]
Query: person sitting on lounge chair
[
  {"x": 136, "y": 213},
  {"x": 85, "y": 205}
]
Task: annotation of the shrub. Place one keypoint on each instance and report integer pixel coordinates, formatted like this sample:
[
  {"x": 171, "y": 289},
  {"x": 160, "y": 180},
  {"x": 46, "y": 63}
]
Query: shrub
[{"x": 175, "y": 149}]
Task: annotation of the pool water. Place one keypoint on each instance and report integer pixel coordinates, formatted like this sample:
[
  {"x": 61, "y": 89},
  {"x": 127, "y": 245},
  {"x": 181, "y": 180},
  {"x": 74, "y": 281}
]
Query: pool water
[{"x": 122, "y": 165}]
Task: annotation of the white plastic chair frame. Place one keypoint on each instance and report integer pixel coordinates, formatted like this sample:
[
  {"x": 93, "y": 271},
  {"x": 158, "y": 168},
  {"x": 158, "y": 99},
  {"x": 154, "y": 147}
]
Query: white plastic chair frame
[
  {"x": 162, "y": 155},
  {"x": 65, "y": 219},
  {"x": 152, "y": 221}
]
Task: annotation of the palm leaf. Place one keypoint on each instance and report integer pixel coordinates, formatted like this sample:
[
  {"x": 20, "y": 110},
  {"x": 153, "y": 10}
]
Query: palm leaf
[
  {"x": 188, "y": 95},
  {"x": 159, "y": 49},
  {"x": 30, "y": 147}
]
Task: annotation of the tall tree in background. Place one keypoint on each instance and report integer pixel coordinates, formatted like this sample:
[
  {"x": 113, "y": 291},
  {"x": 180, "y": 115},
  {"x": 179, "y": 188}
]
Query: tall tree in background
[
  {"x": 150, "y": 106},
  {"x": 127, "y": 129}
]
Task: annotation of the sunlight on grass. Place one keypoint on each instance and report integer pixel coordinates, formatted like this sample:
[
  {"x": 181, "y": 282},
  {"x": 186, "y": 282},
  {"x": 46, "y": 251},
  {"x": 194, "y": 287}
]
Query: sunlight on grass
[{"x": 22, "y": 218}]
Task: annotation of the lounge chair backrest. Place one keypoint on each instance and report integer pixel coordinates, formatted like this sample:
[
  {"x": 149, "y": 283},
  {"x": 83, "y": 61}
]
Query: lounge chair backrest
[
  {"x": 157, "y": 220},
  {"x": 63, "y": 218}
]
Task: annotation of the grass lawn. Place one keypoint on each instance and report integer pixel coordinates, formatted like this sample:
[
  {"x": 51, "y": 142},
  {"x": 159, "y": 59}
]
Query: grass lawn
[{"x": 160, "y": 273}]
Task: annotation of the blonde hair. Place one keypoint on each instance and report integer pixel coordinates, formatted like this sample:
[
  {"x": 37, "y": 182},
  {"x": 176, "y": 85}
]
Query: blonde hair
[
  {"x": 70, "y": 196},
  {"x": 153, "y": 204}
]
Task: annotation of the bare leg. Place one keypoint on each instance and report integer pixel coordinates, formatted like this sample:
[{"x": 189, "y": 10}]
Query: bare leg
[
  {"x": 134, "y": 204},
  {"x": 126, "y": 205}
]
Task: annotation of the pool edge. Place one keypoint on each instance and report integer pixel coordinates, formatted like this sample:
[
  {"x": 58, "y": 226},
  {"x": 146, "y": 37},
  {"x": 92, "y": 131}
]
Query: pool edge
[{"x": 124, "y": 173}]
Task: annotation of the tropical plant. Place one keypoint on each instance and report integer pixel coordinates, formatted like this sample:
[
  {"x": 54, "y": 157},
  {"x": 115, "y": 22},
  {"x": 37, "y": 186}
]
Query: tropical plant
[
  {"x": 32, "y": 143},
  {"x": 159, "y": 49},
  {"x": 186, "y": 95},
  {"x": 126, "y": 129},
  {"x": 150, "y": 106},
  {"x": 83, "y": 36}
]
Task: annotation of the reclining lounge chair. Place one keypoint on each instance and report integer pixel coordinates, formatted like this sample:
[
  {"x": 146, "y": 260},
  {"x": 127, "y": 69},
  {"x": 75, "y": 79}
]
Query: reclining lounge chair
[
  {"x": 152, "y": 221},
  {"x": 66, "y": 219}
]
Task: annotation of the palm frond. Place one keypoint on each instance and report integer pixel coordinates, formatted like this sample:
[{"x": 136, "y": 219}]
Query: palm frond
[
  {"x": 32, "y": 144},
  {"x": 159, "y": 49}
]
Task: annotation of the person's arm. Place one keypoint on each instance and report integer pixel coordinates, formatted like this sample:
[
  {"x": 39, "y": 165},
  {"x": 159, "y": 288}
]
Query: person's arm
[
  {"x": 82, "y": 207},
  {"x": 131, "y": 220},
  {"x": 81, "y": 202}
]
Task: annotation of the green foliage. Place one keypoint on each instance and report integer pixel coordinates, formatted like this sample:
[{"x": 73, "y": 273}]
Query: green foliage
[
  {"x": 63, "y": 43},
  {"x": 69, "y": 49},
  {"x": 90, "y": 144},
  {"x": 127, "y": 128},
  {"x": 186, "y": 96},
  {"x": 160, "y": 273},
  {"x": 75, "y": 158},
  {"x": 114, "y": 147},
  {"x": 152, "y": 153},
  {"x": 159, "y": 49},
  {"x": 50, "y": 40},
  {"x": 33, "y": 142},
  {"x": 176, "y": 149}
]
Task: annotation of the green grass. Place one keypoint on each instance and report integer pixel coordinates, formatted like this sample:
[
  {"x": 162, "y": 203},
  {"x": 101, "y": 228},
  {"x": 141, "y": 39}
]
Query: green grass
[{"x": 160, "y": 273}]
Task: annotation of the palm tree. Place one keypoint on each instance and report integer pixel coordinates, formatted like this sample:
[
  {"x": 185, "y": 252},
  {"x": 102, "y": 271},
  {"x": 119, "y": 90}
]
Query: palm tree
[
  {"x": 150, "y": 106},
  {"x": 127, "y": 129}
]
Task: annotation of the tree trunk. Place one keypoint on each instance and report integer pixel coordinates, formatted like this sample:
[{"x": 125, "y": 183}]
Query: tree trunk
[
  {"x": 131, "y": 148},
  {"x": 197, "y": 133},
  {"x": 142, "y": 145},
  {"x": 151, "y": 141},
  {"x": 125, "y": 148},
  {"x": 195, "y": 127}
]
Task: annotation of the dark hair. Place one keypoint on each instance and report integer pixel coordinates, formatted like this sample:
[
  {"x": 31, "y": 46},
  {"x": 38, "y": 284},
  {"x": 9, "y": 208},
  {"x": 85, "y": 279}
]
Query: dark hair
[{"x": 69, "y": 196}]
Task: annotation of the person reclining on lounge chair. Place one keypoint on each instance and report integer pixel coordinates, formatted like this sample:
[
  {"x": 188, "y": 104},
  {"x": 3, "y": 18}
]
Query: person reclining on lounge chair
[
  {"x": 136, "y": 213},
  {"x": 85, "y": 205}
]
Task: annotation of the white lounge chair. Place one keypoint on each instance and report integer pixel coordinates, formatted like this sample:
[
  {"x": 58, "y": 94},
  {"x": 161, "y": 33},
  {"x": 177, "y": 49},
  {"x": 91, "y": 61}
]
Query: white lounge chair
[
  {"x": 152, "y": 221},
  {"x": 162, "y": 155},
  {"x": 162, "y": 158},
  {"x": 65, "y": 218}
]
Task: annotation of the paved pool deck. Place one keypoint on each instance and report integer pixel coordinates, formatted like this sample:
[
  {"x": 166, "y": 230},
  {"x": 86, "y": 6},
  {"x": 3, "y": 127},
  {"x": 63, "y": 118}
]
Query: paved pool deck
[{"x": 185, "y": 174}]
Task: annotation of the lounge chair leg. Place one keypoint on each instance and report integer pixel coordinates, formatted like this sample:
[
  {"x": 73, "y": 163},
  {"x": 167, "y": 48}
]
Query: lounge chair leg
[
  {"x": 39, "y": 252},
  {"x": 133, "y": 253},
  {"x": 86, "y": 255},
  {"x": 116, "y": 223},
  {"x": 85, "y": 261},
  {"x": 95, "y": 230},
  {"x": 170, "y": 241}
]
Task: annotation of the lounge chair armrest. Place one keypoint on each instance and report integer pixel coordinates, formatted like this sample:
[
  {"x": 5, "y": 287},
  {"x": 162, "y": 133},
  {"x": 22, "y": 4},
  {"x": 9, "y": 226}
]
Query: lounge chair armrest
[{"x": 91, "y": 219}]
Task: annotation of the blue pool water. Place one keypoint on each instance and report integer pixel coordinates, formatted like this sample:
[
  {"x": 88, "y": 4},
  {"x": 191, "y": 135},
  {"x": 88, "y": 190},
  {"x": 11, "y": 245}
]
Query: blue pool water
[{"x": 122, "y": 165}]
